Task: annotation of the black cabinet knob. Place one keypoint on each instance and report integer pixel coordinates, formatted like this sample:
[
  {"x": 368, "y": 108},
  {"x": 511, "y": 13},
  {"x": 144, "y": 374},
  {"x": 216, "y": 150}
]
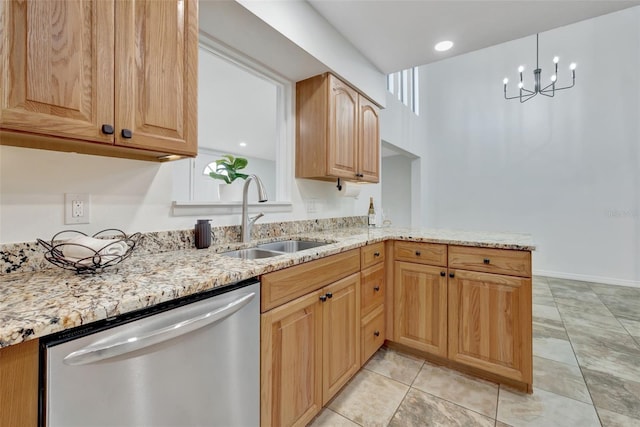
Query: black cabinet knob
[
  {"x": 126, "y": 133},
  {"x": 442, "y": 273},
  {"x": 418, "y": 253},
  {"x": 452, "y": 275},
  {"x": 486, "y": 261},
  {"x": 376, "y": 254},
  {"x": 376, "y": 288},
  {"x": 107, "y": 129},
  {"x": 323, "y": 298},
  {"x": 376, "y": 333},
  {"x": 329, "y": 295}
]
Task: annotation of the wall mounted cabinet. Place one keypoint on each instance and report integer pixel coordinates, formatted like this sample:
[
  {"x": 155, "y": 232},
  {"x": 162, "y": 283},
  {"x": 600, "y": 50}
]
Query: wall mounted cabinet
[
  {"x": 115, "y": 78},
  {"x": 337, "y": 132}
]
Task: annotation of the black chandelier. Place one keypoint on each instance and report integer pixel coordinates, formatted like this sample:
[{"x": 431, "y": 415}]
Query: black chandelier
[{"x": 549, "y": 90}]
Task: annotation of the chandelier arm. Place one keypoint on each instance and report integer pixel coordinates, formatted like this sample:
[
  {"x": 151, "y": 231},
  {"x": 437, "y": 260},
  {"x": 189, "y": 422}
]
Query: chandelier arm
[
  {"x": 524, "y": 99},
  {"x": 566, "y": 87},
  {"x": 547, "y": 93}
]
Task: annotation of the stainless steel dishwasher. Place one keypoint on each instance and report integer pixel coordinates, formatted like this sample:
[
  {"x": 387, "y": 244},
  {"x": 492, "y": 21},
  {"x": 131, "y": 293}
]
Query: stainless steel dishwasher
[{"x": 189, "y": 362}]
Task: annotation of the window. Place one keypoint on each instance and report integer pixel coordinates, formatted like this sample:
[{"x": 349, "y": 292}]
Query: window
[
  {"x": 405, "y": 86},
  {"x": 415, "y": 98}
]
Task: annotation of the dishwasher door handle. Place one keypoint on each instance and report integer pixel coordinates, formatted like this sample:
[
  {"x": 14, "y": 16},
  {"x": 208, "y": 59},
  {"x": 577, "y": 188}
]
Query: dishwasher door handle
[{"x": 119, "y": 344}]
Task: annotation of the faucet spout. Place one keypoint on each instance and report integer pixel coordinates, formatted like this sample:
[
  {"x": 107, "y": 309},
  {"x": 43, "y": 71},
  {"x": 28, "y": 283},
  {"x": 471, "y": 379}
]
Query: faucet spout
[{"x": 262, "y": 197}]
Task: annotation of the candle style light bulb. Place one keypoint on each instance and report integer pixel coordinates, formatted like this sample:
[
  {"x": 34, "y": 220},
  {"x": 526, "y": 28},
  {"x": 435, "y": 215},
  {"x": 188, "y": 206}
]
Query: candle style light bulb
[
  {"x": 572, "y": 66},
  {"x": 520, "y": 85},
  {"x": 555, "y": 59},
  {"x": 553, "y": 78},
  {"x": 520, "y": 69},
  {"x": 505, "y": 81}
]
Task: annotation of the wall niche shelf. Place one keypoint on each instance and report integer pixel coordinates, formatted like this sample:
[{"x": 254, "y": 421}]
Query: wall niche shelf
[{"x": 199, "y": 208}]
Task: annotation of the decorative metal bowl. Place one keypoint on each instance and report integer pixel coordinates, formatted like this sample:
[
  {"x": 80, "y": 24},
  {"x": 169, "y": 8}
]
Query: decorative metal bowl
[{"x": 91, "y": 261}]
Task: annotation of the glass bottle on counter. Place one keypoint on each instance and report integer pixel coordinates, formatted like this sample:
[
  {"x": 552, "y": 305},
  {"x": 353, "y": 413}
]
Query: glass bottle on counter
[{"x": 372, "y": 213}]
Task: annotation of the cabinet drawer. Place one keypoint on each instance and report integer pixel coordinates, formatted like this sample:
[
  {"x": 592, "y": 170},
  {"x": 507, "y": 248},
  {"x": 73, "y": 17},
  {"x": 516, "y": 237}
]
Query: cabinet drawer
[
  {"x": 372, "y": 288},
  {"x": 488, "y": 260},
  {"x": 287, "y": 284},
  {"x": 424, "y": 253},
  {"x": 371, "y": 254},
  {"x": 373, "y": 333}
]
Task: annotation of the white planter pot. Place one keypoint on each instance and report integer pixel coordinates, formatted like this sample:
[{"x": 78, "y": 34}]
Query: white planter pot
[{"x": 231, "y": 192}]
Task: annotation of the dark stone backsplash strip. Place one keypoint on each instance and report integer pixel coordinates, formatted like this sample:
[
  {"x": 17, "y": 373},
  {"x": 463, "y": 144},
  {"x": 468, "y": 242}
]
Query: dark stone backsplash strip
[{"x": 29, "y": 256}]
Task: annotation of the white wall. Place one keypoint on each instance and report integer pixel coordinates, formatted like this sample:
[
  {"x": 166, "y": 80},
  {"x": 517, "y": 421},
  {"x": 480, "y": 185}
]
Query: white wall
[
  {"x": 130, "y": 195},
  {"x": 565, "y": 169},
  {"x": 396, "y": 190},
  {"x": 305, "y": 27}
]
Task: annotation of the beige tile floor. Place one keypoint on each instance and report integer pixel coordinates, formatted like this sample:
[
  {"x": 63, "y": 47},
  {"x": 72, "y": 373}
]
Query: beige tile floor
[{"x": 586, "y": 347}]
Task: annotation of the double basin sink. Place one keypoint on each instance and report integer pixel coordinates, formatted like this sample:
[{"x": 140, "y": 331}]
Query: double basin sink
[{"x": 267, "y": 250}]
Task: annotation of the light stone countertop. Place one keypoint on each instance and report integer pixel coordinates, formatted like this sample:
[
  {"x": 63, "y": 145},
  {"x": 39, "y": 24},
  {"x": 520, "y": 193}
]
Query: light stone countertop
[{"x": 40, "y": 303}]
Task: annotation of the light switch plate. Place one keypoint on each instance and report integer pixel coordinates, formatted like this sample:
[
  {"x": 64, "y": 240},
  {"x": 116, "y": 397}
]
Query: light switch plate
[{"x": 77, "y": 208}]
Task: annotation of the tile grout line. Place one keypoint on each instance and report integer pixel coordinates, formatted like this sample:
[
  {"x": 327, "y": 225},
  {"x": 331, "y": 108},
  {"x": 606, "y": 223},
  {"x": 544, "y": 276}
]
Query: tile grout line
[
  {"x": 407, "y": 392},
  {"x": 578, "y": 360}
]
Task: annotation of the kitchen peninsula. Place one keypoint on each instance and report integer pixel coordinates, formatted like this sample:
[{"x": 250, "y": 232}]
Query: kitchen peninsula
[{"x": 460, "y": 298}]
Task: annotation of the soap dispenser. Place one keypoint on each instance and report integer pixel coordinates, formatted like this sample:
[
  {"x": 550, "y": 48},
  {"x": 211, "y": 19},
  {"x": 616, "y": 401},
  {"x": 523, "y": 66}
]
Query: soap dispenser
[{"x": 203, "y": 233}]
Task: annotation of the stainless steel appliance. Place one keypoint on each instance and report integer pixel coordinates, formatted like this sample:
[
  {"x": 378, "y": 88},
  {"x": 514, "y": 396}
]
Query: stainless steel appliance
[{"x": 189, "y": 362}]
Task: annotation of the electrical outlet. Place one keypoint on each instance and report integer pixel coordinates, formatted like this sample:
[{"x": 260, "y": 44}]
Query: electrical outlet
[{"x": 77, "y": 208}]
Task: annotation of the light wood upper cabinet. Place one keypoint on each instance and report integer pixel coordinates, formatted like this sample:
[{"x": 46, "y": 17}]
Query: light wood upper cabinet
[
  {"x": 490, "y": 323},
  {"x": 57, "y": 64},
  {"x": 420, "y": 307},
  {"x": 120, "y": 73},
  {"x": 342, "y": 148},
  {"x": 337, "y": 132},
  {"x": 156, "y": 65},
  {"x": 369, "y": 140}
]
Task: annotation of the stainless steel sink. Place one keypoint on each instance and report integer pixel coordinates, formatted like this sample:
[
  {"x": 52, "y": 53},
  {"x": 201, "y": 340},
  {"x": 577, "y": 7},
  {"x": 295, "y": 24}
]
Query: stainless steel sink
[
  {"x": 289, "y": 246},
  {"x": 251, "y": 253}
]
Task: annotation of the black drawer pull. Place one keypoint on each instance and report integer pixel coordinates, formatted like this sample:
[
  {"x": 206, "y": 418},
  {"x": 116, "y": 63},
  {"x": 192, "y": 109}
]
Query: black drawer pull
[
  {"x": 126, "y": 134},
  {"x": 443, "y": 273},
  {"x": 418, "y": 253},
  {"x": 323, "y": 298},
  {"x": 376, "y": 288},
  {"x": 376, "y": 333},
  {"x": 376, "y": 254},
  {"x": 329, "y": 295},
  {"x": 486, "y": 261},
  {"x": 452, "y": 275},
  {"x": 107, "y": 129}
]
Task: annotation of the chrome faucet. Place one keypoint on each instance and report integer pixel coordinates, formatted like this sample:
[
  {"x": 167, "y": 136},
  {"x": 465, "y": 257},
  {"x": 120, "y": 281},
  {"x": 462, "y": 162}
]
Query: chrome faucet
[{"x": 246, "y": 221}]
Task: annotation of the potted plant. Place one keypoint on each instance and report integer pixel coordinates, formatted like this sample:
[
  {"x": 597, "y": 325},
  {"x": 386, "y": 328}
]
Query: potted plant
[{"x": 226, "y": 169}]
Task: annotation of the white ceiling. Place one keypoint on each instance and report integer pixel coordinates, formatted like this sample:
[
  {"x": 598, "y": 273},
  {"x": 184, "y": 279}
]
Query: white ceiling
[{"x": 398, "y": 34}]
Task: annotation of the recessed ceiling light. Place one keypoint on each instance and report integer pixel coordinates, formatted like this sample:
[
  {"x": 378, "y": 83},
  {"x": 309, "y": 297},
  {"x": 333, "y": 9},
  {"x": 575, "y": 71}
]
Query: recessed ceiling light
[
  {"x": 243, "y": 144},
  {"x": 444, "y": 45}
]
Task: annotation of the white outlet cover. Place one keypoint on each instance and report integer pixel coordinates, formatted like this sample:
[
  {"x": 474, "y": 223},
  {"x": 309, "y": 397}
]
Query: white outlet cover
[{"x": 85, "y": 198}]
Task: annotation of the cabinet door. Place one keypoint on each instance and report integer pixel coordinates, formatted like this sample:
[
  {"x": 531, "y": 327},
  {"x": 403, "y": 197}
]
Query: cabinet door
[
  {"x": 343, "y": 131},
  {"x": 156, "y": 74},
  {"x": 369, "y": 141},
  {"x": 420, "y": 307},
  {"x": 291, "y": 352},
  {"x": 19, "y": 379},
  {"x": 340, "y": 334},
  {"x": 490, "y": 323},
  {"x": 56, "y": 66}
]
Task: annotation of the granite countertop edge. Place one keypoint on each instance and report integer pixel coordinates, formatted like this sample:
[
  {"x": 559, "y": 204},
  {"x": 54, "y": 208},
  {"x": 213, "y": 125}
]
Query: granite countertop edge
[{"x": 36, "y": 304}]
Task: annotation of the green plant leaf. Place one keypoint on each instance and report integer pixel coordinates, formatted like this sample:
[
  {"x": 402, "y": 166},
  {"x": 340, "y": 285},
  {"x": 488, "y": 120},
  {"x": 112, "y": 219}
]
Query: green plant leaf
[
  {"x": 222, "y": 177},
  {"x": 240, "y": 163}
]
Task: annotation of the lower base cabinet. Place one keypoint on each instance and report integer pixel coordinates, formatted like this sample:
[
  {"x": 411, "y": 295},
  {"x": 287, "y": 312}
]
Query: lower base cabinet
[
  {"x": 490, "y": 323},
  {"x": 310, "y": 349}
]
